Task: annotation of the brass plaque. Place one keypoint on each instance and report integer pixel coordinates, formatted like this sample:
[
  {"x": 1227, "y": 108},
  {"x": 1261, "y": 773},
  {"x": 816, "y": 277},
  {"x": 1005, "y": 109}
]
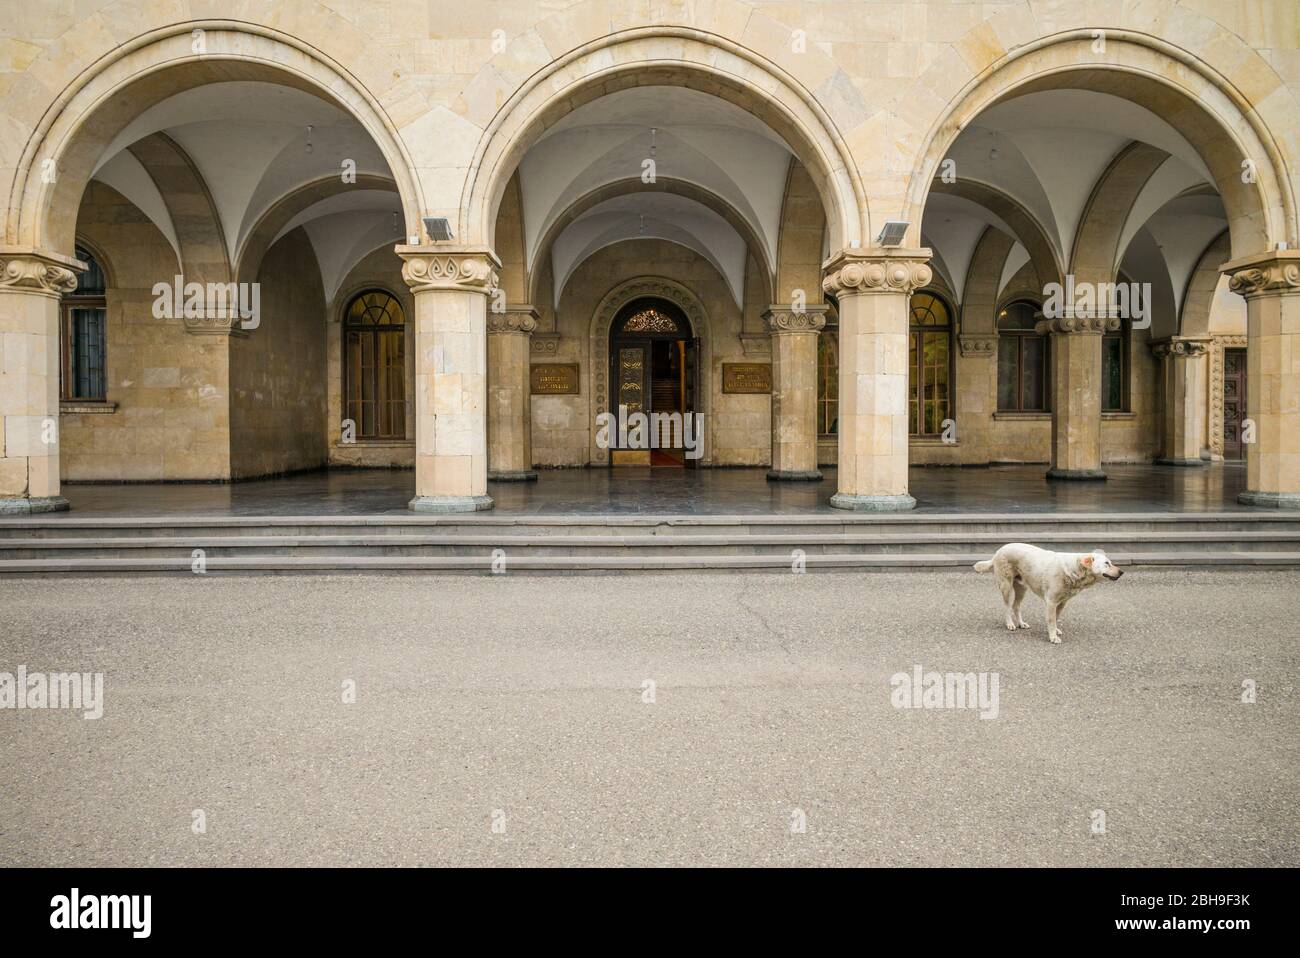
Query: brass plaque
[
  {"x": 553, "y": 379},
  {"x": 746, "y": 378}
]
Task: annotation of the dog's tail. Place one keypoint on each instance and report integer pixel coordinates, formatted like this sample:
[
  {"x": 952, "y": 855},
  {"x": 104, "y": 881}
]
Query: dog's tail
[{"x": 984, "y": 565}]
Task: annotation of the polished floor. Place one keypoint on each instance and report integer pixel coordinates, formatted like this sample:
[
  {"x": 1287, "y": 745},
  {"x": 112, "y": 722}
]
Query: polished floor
[{"x": 645, "y": 491}]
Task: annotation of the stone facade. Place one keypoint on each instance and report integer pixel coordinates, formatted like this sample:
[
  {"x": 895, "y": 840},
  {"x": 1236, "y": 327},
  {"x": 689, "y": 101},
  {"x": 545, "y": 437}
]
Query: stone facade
[{"x": 515, "y": 173}]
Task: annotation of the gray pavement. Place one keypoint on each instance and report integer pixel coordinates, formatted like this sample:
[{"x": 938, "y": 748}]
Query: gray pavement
[{"x": 522, "y": 697}]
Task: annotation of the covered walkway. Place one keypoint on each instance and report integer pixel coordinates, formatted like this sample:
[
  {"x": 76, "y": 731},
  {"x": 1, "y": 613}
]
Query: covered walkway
[{"x": 997, "y": 489}]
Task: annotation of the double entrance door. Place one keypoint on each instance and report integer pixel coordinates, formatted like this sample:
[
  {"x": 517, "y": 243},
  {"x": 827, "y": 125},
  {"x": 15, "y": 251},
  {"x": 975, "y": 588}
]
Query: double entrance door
[{"x": 654, "y": 369}]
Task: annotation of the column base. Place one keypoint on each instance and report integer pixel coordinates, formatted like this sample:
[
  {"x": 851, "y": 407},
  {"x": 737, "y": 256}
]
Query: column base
[
  {"x": 873, "y": 503},
  {"x": 1270, "y": 500},
  {"x": 1081, "y": 475},
  {"x": 794, "y": 475},
  {"x": 443, "y": 505},
  {"x": 513, "y": 475},
  {"x": 33, "y": 505},
  {"x": 1182, "y": 462}
]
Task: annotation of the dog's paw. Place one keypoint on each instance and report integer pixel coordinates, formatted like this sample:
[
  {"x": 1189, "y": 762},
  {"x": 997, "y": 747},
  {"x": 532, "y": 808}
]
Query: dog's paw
[
  {"x": 1055, "y": 639},
  {"x": 1022, "y": 624},
  {"x": 1011, "y": 627}
]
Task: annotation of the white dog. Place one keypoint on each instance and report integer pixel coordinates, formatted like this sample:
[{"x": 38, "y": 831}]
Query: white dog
[{"x": 1055, "y": 577}]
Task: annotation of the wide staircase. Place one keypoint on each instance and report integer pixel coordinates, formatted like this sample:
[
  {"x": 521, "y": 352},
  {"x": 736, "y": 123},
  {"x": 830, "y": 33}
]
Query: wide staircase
[{"x": 490, "y": 543}]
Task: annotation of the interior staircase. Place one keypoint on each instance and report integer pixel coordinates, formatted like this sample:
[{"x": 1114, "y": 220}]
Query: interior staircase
[{"x": 68, "y": 545}]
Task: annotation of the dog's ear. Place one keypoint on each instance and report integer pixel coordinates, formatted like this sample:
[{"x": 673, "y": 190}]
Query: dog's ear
[{"x": 1086, "y": 562}]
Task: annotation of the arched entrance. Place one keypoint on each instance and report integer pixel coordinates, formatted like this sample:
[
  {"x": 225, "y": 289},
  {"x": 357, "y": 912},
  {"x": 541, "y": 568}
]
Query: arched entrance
[{"x": 654, "y": 370}]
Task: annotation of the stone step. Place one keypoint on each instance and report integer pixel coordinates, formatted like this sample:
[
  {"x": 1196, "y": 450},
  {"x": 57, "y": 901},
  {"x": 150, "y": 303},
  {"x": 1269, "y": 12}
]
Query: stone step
[
  {"x": 420, "y": 543},
  {"x": 595, "y": 564},
  {"x": 1008, "y": 526}
]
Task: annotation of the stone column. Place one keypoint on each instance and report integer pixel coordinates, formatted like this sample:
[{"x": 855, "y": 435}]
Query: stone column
[
  {"x": 451, "y": 287},
  {"x": 794, "y": 390},
  {"x": 1183, "y": 384},
  {"x": 510, "y": 427},
  {"x": 1270, "y": 283},
  {"x": 31, "y": 282},
  {"x": 874, "y": 288},
  {"x": 1076, "y": 393}
]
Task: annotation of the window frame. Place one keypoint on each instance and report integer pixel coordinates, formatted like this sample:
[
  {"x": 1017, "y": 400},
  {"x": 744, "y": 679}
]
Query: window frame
[
  {"x": 1123, "y": 337},
  {"x": 1021, "y": 336},
  {"x": 69, "y": 304},
  {"x": 375, "y": 331},
  {"x": 828, "y": 399},
  {"x": 916, "y": 389}
]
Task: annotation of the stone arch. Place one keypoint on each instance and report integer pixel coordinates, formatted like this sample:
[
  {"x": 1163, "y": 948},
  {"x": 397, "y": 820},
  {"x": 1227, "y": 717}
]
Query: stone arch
[
  {"x": 106, "y": 96},
  {"x": 799, "y": 243},
  {"x": 1025, "y": 285},
  {"x": 1198, "y": 299},
  {"x": 248, "y": 258},
  {"x": 663, "y": 184},
  {"x": 598, "y": 349},
  {"x": 203, "y": 256},
  {"x": 102, "y": 257},
  {"x": 1223, "y": 124},
  {"x": 663, "y": 56},
  {"x": 978, "y": 313},
  {"x": 1095, "y": 254},
  {"x": 1025, "y": 226}
]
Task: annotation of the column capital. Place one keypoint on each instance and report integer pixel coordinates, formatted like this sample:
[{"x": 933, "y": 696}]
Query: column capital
[
  {"x": 851, "y": 272},
  {"x": 513, "y": 319},
  {"x": 30, "y": 270},
  {"x": 1273, "y": 273},
  {"x": 978, "y": 344},
  {"x": 1078, "y": 323},
  {"x": 471, "y": 269},
  {"x": 788, "y": 319},
  {"x": 1178, "y": 346}
]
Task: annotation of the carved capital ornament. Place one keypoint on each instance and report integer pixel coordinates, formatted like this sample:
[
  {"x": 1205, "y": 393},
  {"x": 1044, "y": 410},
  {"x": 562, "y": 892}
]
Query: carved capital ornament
[
  {"x": 431, "y": 267},
  {"x": 1078, "y": 323},
  {"x": 854, "y": 272},
  {"x": 788, "y": 319},
  {"x": 1274, "y": 273},
  {"x": 36, "y": 273},
  {"x": 1174, "y": 346},
  {"x": 515, "y": 319}
]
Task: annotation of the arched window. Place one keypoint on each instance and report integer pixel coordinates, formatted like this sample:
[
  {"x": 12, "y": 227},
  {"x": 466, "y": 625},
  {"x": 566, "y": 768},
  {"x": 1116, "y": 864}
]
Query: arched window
[
  {"x": 374, "y": 366},
  {"x": 83, "y": 335},
  {"x": 929, "y": 364},
  {"x": 828, "y": 381},
  {"x": 1022, "y": 360}
]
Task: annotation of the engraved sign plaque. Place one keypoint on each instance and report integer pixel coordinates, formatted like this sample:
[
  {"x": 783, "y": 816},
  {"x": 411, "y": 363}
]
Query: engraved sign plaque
[
  {"x": 553, "y": 379},
  {"x": 746, "y": 378}
]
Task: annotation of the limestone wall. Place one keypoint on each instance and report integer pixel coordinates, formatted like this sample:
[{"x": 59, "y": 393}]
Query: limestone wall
[
  {"x": 277, "y": 371},
  {"x": 167, "y": 415}
]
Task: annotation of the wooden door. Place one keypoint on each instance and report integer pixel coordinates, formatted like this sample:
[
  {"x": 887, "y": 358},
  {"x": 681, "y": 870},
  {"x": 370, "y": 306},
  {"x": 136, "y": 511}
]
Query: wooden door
[{"x": 1234, "y": 403}]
